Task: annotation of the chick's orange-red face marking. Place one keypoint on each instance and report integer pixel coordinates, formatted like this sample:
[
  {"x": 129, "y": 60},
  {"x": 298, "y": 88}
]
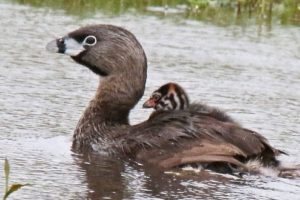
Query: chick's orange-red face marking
[
  {"x": 152, "y": 101},
  {"x": 172, "y": 88}
]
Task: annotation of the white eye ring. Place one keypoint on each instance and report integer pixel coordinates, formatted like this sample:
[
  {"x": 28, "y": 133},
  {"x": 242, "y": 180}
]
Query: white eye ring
[{"x": 89, "y": 37}]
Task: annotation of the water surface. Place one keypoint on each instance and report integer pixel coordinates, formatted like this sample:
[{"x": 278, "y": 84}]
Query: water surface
[{"x": 256, "y": 78}]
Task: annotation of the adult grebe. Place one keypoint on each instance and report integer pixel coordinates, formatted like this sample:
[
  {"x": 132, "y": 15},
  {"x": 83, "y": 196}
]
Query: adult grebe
[{"x": 169, "y": 139}]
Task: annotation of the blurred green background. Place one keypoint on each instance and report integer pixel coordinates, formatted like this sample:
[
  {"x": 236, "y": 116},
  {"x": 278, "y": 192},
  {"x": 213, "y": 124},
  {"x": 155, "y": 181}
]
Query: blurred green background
[{"x": 219, "y": 12}]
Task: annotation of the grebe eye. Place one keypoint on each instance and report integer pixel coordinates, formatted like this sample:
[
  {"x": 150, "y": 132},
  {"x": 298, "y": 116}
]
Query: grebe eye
[{"x": 90, "y": 40}]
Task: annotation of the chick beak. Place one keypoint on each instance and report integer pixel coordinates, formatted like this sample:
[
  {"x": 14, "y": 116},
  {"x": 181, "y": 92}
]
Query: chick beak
[{"x": 150, "y": 103}]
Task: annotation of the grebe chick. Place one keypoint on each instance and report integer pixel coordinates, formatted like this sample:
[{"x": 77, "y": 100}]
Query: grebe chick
[{"x": 172, "y": 96}]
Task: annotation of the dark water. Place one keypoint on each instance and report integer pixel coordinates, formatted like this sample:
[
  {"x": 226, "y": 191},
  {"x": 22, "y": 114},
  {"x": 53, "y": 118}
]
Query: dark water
[{"x": 255, "y": 77}]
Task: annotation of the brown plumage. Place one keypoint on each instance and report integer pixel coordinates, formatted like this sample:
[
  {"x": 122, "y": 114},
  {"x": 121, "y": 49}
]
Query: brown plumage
[{"x": 168, "y": 140}]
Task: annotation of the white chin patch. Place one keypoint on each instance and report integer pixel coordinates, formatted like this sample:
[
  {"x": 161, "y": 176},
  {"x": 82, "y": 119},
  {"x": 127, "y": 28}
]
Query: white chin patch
[{"x": 73, "y": 48}]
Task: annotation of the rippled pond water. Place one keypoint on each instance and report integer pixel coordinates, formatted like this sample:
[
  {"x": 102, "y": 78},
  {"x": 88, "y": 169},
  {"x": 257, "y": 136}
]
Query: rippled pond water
[{"x": 256, "y": 78}]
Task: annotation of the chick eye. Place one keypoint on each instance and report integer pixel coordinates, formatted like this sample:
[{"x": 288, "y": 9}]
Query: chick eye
[
  {"x": 90, "y": 40},
  {"x": 156, "y": 97}
]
